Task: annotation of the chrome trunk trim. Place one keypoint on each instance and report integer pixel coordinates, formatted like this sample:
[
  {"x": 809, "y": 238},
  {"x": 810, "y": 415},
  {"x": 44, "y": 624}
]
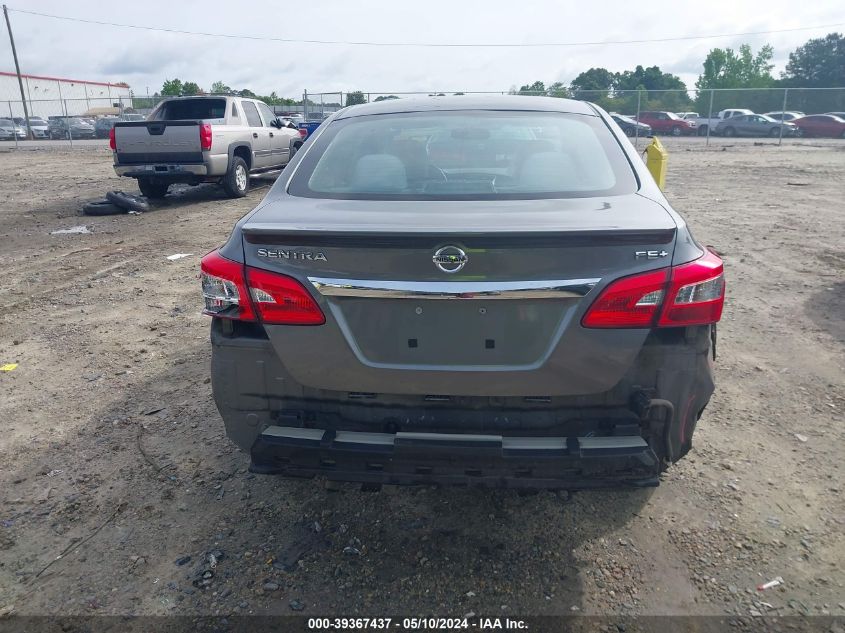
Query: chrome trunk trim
[{"x": 541, "y": 289}]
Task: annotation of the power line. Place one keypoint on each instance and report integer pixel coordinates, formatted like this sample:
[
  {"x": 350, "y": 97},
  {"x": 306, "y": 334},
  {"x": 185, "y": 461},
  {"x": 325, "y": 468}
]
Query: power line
[{"x": 420, "y": 44}]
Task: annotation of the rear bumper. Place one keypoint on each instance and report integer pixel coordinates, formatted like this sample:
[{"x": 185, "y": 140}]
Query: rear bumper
[
  {"x": 163, "y": 172},
  {"x": 456, "y": 459}
]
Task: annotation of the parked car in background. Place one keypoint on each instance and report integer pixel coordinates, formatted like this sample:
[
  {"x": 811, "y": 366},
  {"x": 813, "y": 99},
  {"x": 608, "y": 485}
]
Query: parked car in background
[
  {"x": 388, "y": 318},
  {"x": 667, "y": 123},
  {"x": 689, "y": 116},
  {"x": 789, "y": 115},
  {"x": 198, "y": 139},
  {"x": 103, "y": 126},
  {"x": 841, "y": 115},
  {"x": 131, "y": 117},
  {"x": 73, "y": 127},
  {"x": 754, "y": 125},
  {"x": 825, "y": 125},
  {"x": 9, "y": 130},
  {"x": 630, "y": 126},
  {"x": 703, "y": 124},
  {"x": 36, "y": 124}
]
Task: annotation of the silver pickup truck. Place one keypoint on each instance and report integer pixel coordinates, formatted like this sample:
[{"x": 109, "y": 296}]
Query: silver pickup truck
[{"x": 200, "y": 139}]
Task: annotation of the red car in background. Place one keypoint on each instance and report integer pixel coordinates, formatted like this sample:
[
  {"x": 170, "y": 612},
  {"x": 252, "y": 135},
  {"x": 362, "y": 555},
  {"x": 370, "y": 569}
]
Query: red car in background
[
  {"x": 667, "y": 122},
  {"x": 821, "y": 125}
]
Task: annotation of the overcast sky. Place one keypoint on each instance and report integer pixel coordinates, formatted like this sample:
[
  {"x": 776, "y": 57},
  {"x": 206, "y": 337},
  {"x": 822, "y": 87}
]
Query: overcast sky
[{"x": 145, "y": 58}]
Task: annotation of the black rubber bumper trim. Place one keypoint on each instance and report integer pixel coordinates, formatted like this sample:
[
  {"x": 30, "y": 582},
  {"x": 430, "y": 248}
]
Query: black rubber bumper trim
[{"x": 456, "y": 459}]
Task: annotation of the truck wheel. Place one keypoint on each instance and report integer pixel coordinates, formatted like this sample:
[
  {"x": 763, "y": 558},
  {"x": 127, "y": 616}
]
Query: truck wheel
[
  {"x": 152, "y": 189},
  {"x": 127, "y": 201},
  {"x": 702, "y": 131},
  {"x": 676, "y": 130},
  {"x": 236, "y": 180}
]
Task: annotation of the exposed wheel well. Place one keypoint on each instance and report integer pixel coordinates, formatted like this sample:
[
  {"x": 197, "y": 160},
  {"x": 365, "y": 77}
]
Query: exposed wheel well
[{"x": 244, "y": 152}]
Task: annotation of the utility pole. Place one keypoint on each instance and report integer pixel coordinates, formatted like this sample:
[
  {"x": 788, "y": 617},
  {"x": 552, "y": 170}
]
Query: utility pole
[{"x": 18, "y": 71}]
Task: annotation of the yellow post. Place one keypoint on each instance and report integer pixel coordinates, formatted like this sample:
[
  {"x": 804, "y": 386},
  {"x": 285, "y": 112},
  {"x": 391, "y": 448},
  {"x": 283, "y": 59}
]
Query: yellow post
[{"x": 657, "y": 161}]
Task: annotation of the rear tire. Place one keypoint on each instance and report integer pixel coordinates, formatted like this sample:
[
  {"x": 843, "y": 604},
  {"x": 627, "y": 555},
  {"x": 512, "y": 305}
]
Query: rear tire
[
  {"x": 102, "y": 207},
  {"x": 702, "y": 131},
  {"x": 236, "y": 180},
  {"x": 152, "y": 189},
  {"x": 676, "y": 130},
  {"x": 127, "y": 201},
  {"x": 729, "y": 132},
  {"x": 629, "y": 131},
  {"x": 774, "y": 132}
]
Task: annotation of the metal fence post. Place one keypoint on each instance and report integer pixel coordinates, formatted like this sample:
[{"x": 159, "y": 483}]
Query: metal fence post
[
  {"x": 782, "y": 113},
  {"x": 69, "y": 133},
  {"x": 710, "y": 116},
  {"x": 637, "y": 128},
  {"x": 305, "y": 104},
  {"x": 14, "y": 129}
]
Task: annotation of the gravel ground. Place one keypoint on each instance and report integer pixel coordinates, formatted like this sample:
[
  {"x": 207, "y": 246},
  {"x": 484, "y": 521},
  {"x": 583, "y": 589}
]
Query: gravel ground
[{"x": 114, "y": 458}]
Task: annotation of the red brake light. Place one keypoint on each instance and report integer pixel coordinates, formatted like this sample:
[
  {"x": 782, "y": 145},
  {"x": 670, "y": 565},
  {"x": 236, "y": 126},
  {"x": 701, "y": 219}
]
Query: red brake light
[
  {"x": 205, "y": 136},
  {"x": 690, "y": 294},
  {"x": 630, "y": 302},
  {"x": 112, "y": 142},
  {"x": 303, "y": 133},
  {"x": 234, "y": 291},
  {"x": 696, "y": 294},
  {"x": 280, "y": 299},
  {"x": 224, "y": 288}
]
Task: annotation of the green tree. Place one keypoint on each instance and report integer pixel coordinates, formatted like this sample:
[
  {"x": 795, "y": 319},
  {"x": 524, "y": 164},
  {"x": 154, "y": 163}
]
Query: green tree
[
  {"x": 246, "y": 92},
  {"x": 819, "y": 63},
  {"x": 191, "y": 88},
  {"x": 726, "y": 68},
  {"x": 557, "y": 89},
  {"x": 593, "y": 84},
  {"x": 218, "y": 87},
  {"x": 355, "y": 97},
  {"x": 535, "y": 89},
  {"x": 171, "y": 88},
  {"x": 385, "y": 97}
]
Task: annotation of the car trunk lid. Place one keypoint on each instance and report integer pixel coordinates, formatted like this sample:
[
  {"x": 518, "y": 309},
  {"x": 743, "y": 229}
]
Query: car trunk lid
[{"x": 507, "y": 322}]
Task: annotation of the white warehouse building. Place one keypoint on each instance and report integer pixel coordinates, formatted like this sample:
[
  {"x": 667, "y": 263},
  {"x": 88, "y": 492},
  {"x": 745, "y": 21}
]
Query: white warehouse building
[{"x": 51, "y": 96}]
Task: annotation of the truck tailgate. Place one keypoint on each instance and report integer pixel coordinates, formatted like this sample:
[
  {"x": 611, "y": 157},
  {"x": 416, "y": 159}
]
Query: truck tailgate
[{"x": 145, "y": 142}]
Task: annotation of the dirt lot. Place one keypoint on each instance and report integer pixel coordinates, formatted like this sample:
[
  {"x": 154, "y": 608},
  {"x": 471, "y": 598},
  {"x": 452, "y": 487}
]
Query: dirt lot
[{"x": 113, "y": 455}]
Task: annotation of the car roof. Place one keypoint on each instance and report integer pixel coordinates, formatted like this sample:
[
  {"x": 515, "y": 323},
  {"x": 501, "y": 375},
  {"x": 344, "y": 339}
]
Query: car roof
[{"x": 469, "y": 102}]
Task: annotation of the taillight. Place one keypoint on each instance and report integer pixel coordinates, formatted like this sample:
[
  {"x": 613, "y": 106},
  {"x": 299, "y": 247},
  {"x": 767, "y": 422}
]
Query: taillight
[
  {"x": 205, "y": 136},
  {"x": 628, "y": 302},
  {"x": 112, "y": 142},
  {"x": 303, "y": 133},
  {"x": 234, "y": 291},
  {"x": 690, "y": 294},
  {"x": 224, "y": 288},
  {"x": 696, "y": 294},
  {"x": 280, "y": 299}
]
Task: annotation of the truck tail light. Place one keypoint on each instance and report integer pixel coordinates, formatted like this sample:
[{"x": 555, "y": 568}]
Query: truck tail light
[
  {"x": 690, "y": 294},
  {"x": 205, "y": 136},
  {"x": 112, "y": 142},
  {"x": 234, "y": 291}
]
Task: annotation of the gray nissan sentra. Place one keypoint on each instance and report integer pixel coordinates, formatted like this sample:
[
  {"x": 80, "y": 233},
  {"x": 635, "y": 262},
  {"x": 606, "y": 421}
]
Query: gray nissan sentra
[{"x": 471, "y": 291}]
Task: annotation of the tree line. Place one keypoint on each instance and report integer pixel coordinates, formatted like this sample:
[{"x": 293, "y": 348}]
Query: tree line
[{"x": 818, "y": 63}]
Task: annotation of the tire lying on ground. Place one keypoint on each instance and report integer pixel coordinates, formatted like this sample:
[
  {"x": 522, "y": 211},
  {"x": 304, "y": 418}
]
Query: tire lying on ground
[
  {"x": 127, "y": 201},
  {"x": 102, "y": 207}
]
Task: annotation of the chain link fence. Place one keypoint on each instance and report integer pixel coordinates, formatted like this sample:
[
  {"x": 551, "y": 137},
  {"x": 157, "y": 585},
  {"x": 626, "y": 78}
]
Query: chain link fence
[{"x": 700, "y": 109}]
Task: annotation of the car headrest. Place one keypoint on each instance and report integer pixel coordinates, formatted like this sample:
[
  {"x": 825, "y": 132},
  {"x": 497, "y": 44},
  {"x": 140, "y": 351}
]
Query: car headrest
[{"x": 379, "y": 173}]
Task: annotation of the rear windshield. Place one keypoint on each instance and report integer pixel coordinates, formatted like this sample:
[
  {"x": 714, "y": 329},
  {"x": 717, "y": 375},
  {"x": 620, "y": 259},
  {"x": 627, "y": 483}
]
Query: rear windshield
[
  {"x": 462, "y": 155},
  {"x": 187, "y": 109}
]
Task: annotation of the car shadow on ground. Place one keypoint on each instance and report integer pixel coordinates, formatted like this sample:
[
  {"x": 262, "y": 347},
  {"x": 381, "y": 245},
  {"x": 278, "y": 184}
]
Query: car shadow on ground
[
  {"x": 161, "y": 489},
  {"x": 826, "y": 308},
  {"x": 184, "y": 195}
]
